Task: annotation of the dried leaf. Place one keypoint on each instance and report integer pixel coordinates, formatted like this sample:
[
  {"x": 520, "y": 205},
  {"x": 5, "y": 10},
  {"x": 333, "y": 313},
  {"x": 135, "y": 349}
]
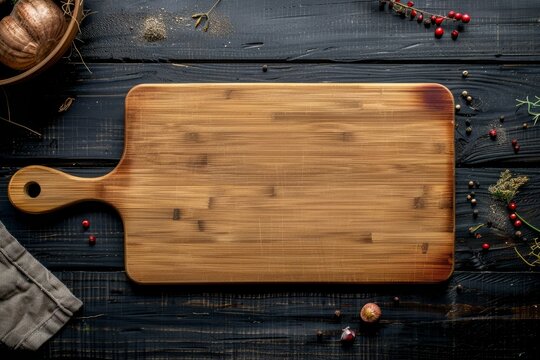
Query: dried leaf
[{"x": 198, "y": 22}]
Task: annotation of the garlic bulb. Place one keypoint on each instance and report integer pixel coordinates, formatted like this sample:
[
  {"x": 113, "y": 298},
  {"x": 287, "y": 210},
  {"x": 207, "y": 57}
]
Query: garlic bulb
[{"x": 30, "y": 32}]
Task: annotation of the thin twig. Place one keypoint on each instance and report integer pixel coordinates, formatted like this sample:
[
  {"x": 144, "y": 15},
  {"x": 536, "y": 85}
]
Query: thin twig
[
  {"x": 200, "y": 17},
  {"x": 530, "y": 105},
  {"x": 8, "y": 120}
]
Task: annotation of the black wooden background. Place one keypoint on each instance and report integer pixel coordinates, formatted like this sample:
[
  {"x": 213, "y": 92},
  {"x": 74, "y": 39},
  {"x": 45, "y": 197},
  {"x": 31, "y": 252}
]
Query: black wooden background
[{"x": 487, "y": 310}]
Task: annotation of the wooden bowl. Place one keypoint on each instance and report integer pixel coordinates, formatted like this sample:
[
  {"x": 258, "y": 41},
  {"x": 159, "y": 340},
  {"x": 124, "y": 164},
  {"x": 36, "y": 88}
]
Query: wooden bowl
[{"x": 9, "y": 76}]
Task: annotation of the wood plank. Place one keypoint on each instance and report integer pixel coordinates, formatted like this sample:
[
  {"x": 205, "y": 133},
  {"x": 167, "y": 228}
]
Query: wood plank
[
  {"x": 496, "y": 315},
  {"x": 300, "y": 30},
  {"x": 268, "y": 179},
  {"x": 90, "y": 132},
  {"x": 59, "y": 241}
]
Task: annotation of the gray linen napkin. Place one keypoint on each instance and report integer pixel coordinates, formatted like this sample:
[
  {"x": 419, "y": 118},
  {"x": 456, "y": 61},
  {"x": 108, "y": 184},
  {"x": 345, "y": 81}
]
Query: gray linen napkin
[{"x": 34, "y": 304}]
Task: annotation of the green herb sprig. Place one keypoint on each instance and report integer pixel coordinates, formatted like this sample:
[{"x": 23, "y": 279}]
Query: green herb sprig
[
  {"x": 205, "y": 16},
  {"x": 507, "y": 186},
  {"x": 530, "y": 106}
]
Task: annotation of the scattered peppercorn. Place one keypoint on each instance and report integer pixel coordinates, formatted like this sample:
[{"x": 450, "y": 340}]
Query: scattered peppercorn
[
  {"x": 473, "y": 202},
  {"x": 501, "y": 118},
  {"x": 475, "y": 213},
  {"x": 478, "y": 235},
  {"x": 92, "y": 240},
  {"x": 319, "y": 336},
  {"x": 458, "y": 107},
  {"x": 513, "y": 216},
  {"x": 464, "y": 93},
  {"x": 454, "y": 34},
  {"x": 517, "y": 223},
  {"x": 485, "y": 246},
  {"x": 518, "y": 234},
  {"x": 396, "y": 300},
  {"x": 465, "y": 73},
  {"x": 468, "y": 122},
  {"x": 459, "y": 288},
  {"x": 265, "y": 68},
  {"x": 468, "y": 130},
  {"x": 337, "y": 315},
  {"x": 492, "y": 133},
  {"x": 514, "y": 142},
  {"x": 517, "y": 148},
  {"x": 525, "y": 125},
  {"x": 85, "y": 223},
  {"x": 512, "y": 206},
  {"x": 469, "y": 197},
  {"x": 469, "y": 99},
  {"x": 471, "y": 184}
]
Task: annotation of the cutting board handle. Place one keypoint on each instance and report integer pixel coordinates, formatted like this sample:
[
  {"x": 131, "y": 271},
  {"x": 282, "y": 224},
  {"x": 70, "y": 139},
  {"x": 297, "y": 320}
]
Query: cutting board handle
[{"x": 39, "y": 189}]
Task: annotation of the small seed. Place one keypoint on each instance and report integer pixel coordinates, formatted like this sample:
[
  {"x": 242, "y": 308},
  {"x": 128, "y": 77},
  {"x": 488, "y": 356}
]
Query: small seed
[
  {"x": 469, "y": 98},
  {"x": 473, "y": 202},
  {"x": 465, "y": 73},
  {"x": 464, "y": 93},
  {"x": 459, "y": 288},
  {"x": 501, "y": 118},
  {"x": 525, "y": 125},
  {"x": 518, "y": 234},
  {"x": 468, "y": 130},
  {"x": 469, "y": 197},
  {"x": 458, "y": 107},
  {"x": 475, "y": 213},
  {"x": 265, "y": 68},
  {"x": 471, "y": 183}
]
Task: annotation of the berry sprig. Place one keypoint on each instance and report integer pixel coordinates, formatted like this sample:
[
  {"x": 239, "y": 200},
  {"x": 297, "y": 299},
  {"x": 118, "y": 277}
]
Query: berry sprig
[{"x": 409, "y": 11}]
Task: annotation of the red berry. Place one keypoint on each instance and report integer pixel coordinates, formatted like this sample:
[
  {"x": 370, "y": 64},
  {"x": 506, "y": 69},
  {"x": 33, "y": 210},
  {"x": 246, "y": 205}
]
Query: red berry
[
  {"x": 517, "y": 223},
  {"x": 492, "y": 133},
  {"x": 485, "y": 246},
  {"x": 397, "y": 1},
  {"x": 513, "y": 216},
  {"x": 514, "y": 142},
  {"x": 413, "y": 14},
  {"x": 439, "y": 20},
  {"x": 465, "y": 18},
  {"x": 439, "y": 32},
  {"x": 92, "y": 240},
  {"x": 458, "y": 16},
  {"x": 454, "y": 34},
  {"x": 433, "y": 18},
  {"x": 517, "y": 148},
  {"x": 85, "y": 224},
  {"x": 451, "y": 14},
  {"x": 512, "y": 206},
  {"x": 410, "y": 3},
  {"x": 420, "y": 18}
]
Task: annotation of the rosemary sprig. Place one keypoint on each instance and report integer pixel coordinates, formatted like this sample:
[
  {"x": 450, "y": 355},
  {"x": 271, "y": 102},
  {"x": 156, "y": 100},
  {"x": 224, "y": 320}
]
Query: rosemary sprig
[
  {"x": 205, "y": 16},
  {"x": 530, "y": 106},
  {"x": 527, "y": 223}
]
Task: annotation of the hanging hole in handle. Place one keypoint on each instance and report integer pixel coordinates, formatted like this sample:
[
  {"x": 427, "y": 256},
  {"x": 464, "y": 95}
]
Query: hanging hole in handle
[{"x": 32, "y": 189}]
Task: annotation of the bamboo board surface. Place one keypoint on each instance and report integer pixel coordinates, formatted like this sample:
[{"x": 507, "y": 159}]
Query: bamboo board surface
[{"x": 276, "y": 183}]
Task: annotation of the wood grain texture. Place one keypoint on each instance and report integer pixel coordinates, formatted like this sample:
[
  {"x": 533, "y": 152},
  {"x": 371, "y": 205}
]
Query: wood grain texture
[
  {"x": 303, "y": 30},
  {"x": 495, "y": 316},
  {"x": 91, "y": 132},
  {"x": 262, "y": 183}
]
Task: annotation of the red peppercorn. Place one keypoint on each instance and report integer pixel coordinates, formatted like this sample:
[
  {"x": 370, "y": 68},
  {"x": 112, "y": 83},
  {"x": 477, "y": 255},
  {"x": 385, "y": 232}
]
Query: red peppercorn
[
  {"x": 517, "y": 148},
  {"x": 458, "y": 16},
  {"x": 439, "y": 32},
  {"x": 420, "y": 18},
  {"x": 85, "y": 224},
  {"x": 451, "y": 14},
  {"x": 492, "y": 133},
  {"x": 433, "y": 18},
  {"x": 398, "y": 1},
  {"x": 439, "y": 20},
  {"x": 465, "y": 18},
  {"x": 347, "y": 336},
  {"x": 517, "y": 223},
  {"x": 513, "y": 216},
  {"x": 454, "y": 34},
  {"x": 92, "y": 240},
  {"x": 413, "y": 14},
  {"x": 512, "y": 206},
  {"x": 514, "y": 142},
  {"x": 485, "y": 246},
  {"x": 410, "y": 3}
]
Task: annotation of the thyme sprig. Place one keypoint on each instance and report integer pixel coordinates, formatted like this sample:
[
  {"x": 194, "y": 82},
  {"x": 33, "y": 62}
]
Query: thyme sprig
[
  {"x": 507, "y": 186},
  {"x": 400, "y": 8},
  {"x": 205, "y": 16},
  {"x": 535, "y": 253},
  {"x": 530, "y": 106}
]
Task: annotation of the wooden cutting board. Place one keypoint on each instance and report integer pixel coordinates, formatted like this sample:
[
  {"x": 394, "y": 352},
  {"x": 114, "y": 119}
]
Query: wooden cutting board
[{"x": 342, "y": 183}]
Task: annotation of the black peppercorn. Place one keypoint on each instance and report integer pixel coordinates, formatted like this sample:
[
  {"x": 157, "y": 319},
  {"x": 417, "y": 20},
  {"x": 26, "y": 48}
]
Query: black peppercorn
[
  {"x": 475, "y": 213},
  {"x": 265, "y": 68}
]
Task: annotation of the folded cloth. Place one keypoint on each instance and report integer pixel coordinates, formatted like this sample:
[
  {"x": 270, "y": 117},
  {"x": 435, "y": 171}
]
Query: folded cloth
[{"x": 34, "y": 304}]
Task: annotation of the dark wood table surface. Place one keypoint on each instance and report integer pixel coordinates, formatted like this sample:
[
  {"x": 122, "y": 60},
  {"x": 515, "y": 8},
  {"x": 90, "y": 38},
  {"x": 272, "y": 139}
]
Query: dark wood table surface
[{"x": 488, "y": 309}]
